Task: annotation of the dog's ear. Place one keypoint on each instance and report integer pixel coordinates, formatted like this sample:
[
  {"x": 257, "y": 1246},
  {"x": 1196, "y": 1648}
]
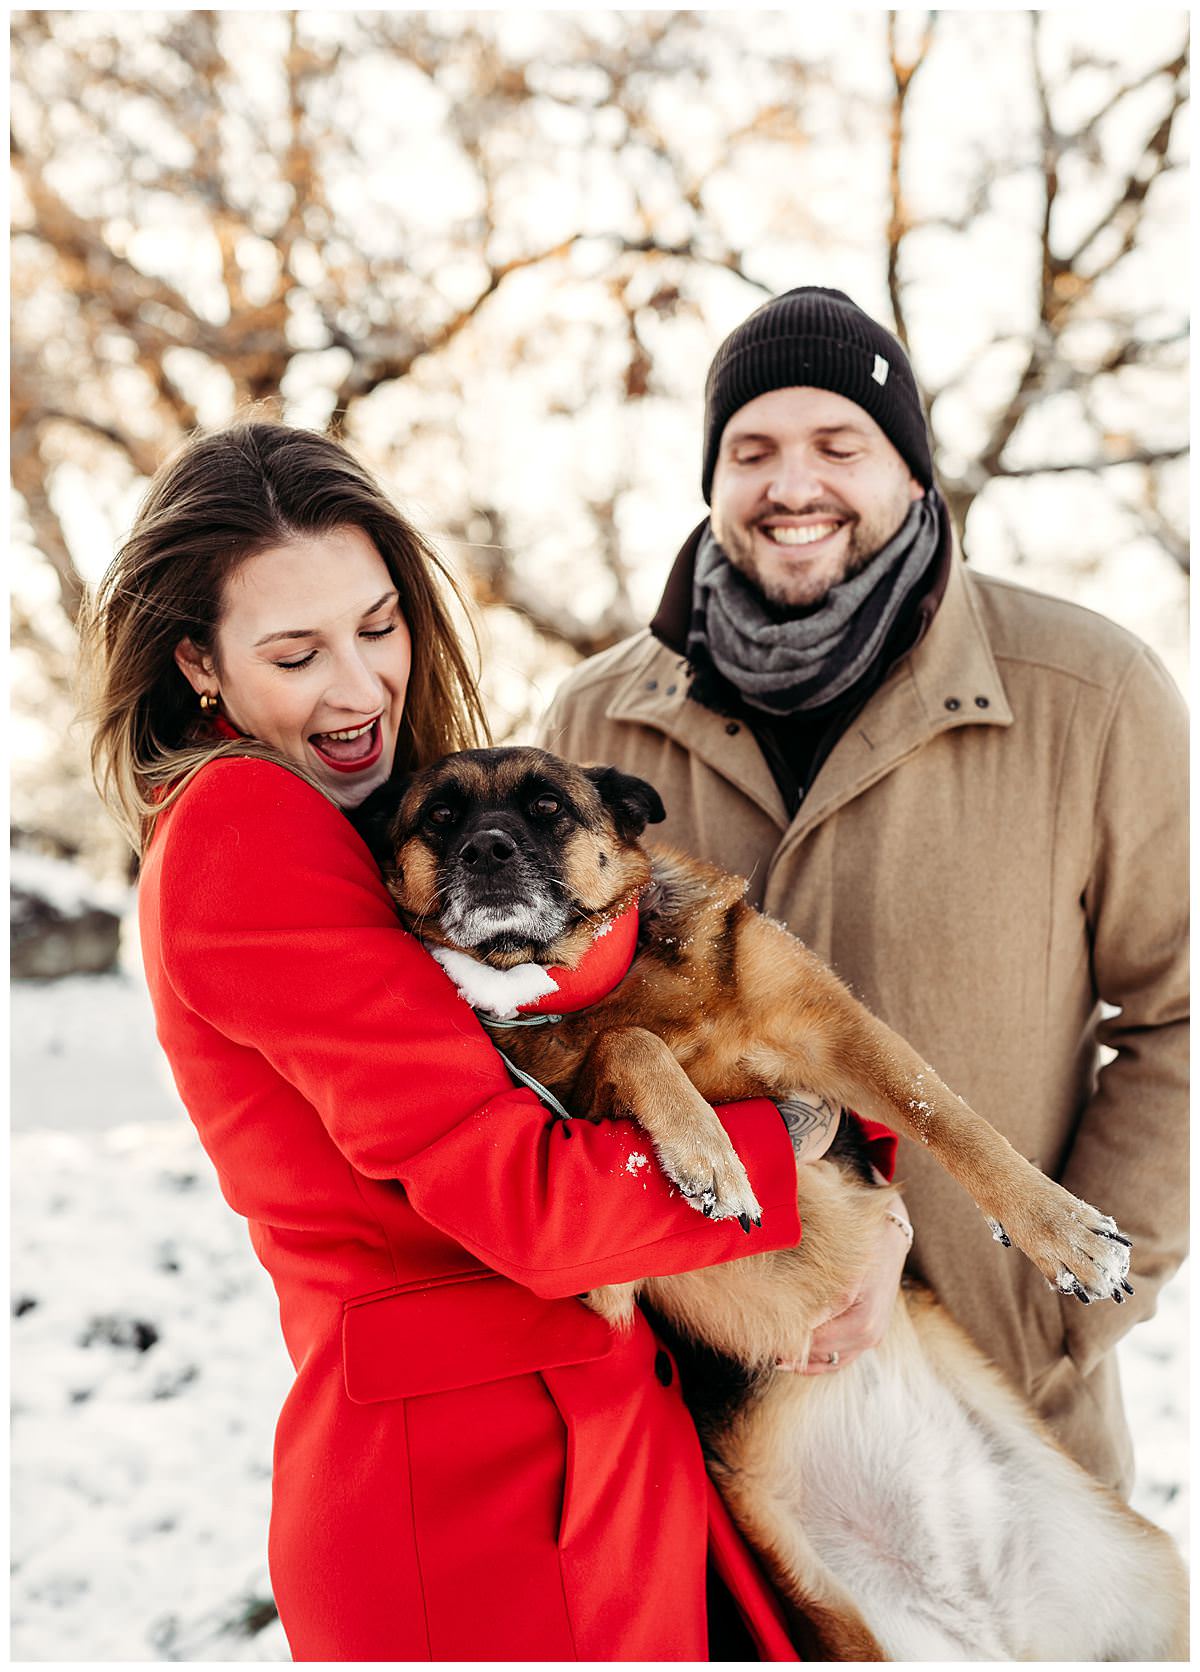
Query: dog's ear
[
  {"x": 374, "y": 818},
  {"x": 632, "y": 802}
]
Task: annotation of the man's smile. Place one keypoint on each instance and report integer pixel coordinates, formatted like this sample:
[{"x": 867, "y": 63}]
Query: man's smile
[{"x": 793, "y": 534}]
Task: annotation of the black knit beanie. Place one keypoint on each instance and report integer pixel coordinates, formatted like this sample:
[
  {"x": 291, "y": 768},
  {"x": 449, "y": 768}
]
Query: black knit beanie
[{"x": 820, "y": 339}]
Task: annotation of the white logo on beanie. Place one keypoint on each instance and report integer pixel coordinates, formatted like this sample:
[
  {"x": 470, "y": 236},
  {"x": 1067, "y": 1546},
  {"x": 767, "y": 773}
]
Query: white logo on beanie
[{"x": 881, "y": 369}]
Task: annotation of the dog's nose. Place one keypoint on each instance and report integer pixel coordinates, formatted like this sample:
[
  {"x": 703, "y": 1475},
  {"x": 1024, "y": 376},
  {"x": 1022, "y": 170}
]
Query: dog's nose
[{"x": 487, "y": 851}]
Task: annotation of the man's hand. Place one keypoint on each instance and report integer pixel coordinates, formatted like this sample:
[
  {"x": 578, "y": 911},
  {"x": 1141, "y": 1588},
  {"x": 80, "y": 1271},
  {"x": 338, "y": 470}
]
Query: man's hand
[{"x": 862, "y": 1322}]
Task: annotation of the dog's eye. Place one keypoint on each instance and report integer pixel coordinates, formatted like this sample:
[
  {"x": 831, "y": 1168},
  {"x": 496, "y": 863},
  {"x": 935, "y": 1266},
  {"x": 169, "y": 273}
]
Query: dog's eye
[
  {"x": 440, "y": 813},
  {"x": 545, "y": 806}
]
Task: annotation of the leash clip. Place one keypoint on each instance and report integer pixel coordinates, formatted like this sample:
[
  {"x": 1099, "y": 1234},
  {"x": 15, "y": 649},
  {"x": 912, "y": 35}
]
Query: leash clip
[{"x": 516, "y": 1021}]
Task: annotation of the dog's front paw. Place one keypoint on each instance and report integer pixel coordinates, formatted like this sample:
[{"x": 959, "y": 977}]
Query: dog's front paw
[
  {"x": 1105, "y": 1258},
  {"x": 1078, "y": 1249},
  {"x": 711, "y": 1178}
]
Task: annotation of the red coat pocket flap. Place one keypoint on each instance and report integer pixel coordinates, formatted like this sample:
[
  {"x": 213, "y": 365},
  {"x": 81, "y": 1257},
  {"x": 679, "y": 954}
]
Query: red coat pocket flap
[{"x": 457, "y": 1332}]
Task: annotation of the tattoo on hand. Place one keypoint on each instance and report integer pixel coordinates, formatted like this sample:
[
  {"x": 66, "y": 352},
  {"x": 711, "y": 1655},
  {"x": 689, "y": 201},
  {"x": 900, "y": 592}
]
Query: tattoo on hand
[{"x": 808, "y": 1122}]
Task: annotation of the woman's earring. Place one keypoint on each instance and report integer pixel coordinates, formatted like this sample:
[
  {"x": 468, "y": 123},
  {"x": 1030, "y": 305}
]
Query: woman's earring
[{"x": 208, "y": 701}]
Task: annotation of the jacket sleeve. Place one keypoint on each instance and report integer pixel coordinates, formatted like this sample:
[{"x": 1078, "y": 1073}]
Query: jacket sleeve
[
  {"x": 278, "y": 932},
  {"x": 1130, "y": 1153},
  {"x": 881, "y": 1142}
]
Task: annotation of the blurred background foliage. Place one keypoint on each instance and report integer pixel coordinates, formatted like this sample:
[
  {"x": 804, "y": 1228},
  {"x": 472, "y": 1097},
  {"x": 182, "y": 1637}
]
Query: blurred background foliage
[{"x": 496, "y": 252}]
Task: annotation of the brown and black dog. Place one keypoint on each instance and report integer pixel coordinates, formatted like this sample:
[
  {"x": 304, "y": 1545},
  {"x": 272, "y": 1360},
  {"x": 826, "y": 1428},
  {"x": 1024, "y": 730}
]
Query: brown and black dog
[{"x": 909, "y": 1507}]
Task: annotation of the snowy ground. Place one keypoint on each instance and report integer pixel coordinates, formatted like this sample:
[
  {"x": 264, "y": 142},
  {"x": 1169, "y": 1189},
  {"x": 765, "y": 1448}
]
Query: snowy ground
[{"x": 147, "y": 1366}]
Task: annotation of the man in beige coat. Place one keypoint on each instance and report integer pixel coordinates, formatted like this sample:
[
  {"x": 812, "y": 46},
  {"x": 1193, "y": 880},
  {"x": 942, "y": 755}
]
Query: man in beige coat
[{"x": 968, "y": 797}]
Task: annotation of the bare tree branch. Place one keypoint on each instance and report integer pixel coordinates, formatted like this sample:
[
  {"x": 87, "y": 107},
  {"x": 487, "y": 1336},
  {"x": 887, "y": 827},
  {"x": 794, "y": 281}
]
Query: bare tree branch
[
  {"x": 1126, "y": 208},
  {"x": 366, "y": 374},
  {"x": 29, "y": 481},
  {"x": 495, "y": 581},
  {"x": 1041, "y": 344},
  {"x": 903, "y": 71},
  {"x": 1099, "y": 461}
]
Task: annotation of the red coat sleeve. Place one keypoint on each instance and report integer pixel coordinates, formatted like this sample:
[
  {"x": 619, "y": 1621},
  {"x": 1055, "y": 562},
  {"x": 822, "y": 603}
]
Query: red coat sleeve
[
  {"x": 278, "y": 932},
  {"x": 882, "y": 1144}
]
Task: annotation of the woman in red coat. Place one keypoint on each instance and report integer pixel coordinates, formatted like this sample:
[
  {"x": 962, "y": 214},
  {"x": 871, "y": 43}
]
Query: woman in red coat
[{"x": 470, "y": 1465}]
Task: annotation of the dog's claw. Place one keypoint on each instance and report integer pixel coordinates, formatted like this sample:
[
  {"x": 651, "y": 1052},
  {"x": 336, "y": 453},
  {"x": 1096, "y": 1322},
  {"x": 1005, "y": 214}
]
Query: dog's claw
[
  {"x": 1082, "y": 1294},
  {"x": 1118, "y": 1297},
  {"x": 714, "y": 1183},
  {"x": 1128, "y": 1288},
  {"x": 999, "y": 1234},
  {"x": 758, "y": 1221},
  {"x": 1115, "y": 1236}
]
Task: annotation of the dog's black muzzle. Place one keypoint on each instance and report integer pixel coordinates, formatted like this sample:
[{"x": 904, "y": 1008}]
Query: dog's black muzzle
[
  {"x": 485, "y": 853},
  {"x": 496, "y": 859}
]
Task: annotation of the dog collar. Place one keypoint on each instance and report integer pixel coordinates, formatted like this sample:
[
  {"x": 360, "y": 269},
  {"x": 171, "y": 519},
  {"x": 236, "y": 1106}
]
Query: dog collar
[
  {"x": 532, "y": 995},
  {"x": 603, "y": 965}
]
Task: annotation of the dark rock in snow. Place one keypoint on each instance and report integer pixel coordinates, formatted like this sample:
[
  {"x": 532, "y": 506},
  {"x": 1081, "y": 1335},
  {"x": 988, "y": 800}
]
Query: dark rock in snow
[
  {"x": 114, "y": 1329},
  {"x": 62, "y": 923},
  {"x": 170, "y": 1385}
]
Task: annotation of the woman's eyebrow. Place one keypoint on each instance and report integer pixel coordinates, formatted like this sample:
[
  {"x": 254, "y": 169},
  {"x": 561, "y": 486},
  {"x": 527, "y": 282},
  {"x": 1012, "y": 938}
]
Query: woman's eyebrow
[
  {"x": 311, "y": 632},
  {"x": 380, "y": 602}
]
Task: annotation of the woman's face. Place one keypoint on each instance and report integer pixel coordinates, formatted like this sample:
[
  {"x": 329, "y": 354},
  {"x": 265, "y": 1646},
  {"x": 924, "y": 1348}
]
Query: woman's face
[{"x": 312, "y": 655}]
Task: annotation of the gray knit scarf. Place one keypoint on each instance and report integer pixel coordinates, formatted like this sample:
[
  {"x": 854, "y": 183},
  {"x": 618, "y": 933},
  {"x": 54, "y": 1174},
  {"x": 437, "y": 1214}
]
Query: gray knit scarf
[{"x": 783, "y": 663}]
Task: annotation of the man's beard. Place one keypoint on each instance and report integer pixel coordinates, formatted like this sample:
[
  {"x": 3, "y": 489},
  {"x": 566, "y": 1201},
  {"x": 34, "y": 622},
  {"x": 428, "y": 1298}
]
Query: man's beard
[{"x": 796, "y": 591}]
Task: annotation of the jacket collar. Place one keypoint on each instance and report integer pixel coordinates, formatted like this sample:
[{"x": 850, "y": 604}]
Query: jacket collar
[
  {"x": 949, "y": 680},
  {"x": 674, "y": 613}
]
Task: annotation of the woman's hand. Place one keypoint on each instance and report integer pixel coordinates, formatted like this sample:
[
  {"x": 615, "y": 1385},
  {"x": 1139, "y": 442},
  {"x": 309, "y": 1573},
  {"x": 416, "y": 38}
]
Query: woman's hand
[
  {"x": 862, "y": 1322},
  {"x": 811, "y": 1121}
]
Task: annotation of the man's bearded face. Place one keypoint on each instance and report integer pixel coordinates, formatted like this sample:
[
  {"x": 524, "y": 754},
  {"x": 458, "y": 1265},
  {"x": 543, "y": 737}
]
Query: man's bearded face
[{"x": 807, "y": 488}]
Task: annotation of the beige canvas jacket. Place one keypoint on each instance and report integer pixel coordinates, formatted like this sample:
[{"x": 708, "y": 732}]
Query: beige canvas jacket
[{"x": 994, "y": 857}]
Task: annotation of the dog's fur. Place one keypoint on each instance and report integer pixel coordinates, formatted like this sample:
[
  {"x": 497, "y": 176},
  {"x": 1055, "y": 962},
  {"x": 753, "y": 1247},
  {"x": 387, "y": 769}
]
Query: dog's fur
[{"x": 909, "y": 1506}]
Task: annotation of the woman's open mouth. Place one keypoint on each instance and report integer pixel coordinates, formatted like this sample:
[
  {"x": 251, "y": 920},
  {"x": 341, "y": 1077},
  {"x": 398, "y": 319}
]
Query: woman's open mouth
[{"x": 351, "y": 750}]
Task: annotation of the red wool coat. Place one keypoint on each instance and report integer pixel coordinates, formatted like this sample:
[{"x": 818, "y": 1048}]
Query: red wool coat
[{"x": 470, "y": 1465}]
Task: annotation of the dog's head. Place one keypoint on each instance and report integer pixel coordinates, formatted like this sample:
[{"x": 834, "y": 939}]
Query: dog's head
[{"x": 514, "y": 855}]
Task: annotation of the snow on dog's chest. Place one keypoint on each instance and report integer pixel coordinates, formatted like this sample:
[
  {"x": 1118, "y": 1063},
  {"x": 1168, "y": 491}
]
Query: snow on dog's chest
[{"x": 500, "y": 993}]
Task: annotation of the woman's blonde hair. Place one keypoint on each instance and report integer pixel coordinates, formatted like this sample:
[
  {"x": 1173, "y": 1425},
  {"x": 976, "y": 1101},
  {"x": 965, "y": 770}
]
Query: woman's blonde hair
[{"x": 223, "y": 498}]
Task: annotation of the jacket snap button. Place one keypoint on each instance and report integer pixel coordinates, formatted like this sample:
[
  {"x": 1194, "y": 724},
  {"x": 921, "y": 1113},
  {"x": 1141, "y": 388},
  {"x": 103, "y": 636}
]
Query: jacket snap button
[
  {"x": 733, "y": 728},
  {"x": 671, "y": 690},
  {"x": 981, "y": 702},
  {"x": 662, "y": 1368},
  {"x": 652, "y": 685},
  {"x": 953, "y": 703}
]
